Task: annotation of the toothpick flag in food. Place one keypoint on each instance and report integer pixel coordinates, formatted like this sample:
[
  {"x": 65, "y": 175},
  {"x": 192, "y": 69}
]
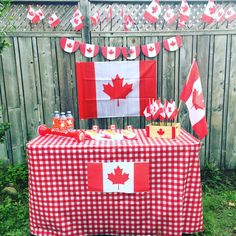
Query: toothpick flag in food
[
  {"x": 69, "y": 45},
  {"x": 153, "y": 11},
  {"x": 53, "y": 20},
  {"x": 30, "y": 13},
  {"x": 209, "y": 13},
  {"x": 192, "y": 96},
  {"x": 115, "y": 89}
]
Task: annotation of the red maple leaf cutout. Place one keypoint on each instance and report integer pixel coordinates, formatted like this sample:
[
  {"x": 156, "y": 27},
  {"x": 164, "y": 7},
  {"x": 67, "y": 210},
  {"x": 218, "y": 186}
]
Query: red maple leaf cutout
[
  {"x": 118, "y": 177},
  {"x": 212, "y": 10},
  {"x": 172, "y": 43},
  {"x": 110, "y": 51},
  {"x": 151, "y": 49},
  {"x": 198, "y": 100},
  {"x": 76, "y": 21},
  {"x": 69, "y": 45},
  {"x": 89, "y": 50},
  {"x": 169, "y": 109},
  {"x": 118, "y": 90},
  {"x": 154, "y": 9},
  {"x": 160, "y": 131},
  {"x": 131, "y": 51},
  {"x": 184, "y": 8}
]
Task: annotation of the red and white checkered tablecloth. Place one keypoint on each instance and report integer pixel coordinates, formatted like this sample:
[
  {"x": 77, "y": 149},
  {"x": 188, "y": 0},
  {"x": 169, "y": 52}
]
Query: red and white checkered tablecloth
[{"x": 61, "y": 205}]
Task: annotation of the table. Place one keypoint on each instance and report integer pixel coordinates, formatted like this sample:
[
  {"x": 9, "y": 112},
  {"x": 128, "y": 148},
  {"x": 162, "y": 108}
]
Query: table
[{"x": 60, "y": 204}]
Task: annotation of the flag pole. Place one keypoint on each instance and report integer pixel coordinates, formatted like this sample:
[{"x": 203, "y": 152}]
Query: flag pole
[{"x": 180, "y": 104}]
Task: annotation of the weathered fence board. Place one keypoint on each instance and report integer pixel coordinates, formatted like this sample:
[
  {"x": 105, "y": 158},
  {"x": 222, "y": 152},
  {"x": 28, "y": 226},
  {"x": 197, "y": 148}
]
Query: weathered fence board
[{"x": 38, "y": 77}]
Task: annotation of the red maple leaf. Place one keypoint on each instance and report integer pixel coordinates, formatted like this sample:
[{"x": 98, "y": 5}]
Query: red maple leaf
[
  {"x": 151, "y": 49},
  {"x": 160, "y": 131},
  {"x": 89, "y": 50},
  {"x": 131, "y": 51},
  {"x": 118, "y": 177},
  {"x": 184, "y": 8},
  {"x": 51, "y": 19},
  {"x": 198, "y": 100},
  {"x": 111, "y": 51},
  {"x": 69, "y": 45},
  {"x": 172, "y": 43},
  {"x": 76, "y": 21},
  {"x": 118, "y": 90},
  {"x": 31, "y": 13},
  {"x": 212, "y": 10},
  {"x": 154, "y": 9}
]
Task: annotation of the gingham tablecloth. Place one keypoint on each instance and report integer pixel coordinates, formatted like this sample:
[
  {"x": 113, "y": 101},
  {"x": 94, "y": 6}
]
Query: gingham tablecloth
[{"x": 60, "y": 204}]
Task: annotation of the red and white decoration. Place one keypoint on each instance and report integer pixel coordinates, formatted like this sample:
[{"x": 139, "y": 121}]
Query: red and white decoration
[
  {"x": 151, "y": 49},
  {"x": 115, "y": 89},
  {"x": 96, "y": 18},
  {"x": 153, "y": 11},
  {"x": 111, "y": 53},
  {"x": 230, "y": 14},
  {"x": 40, "y": 14},
  {"x": 184, "y": 13},
  {"x": 78, "y": 13},
  {"x": 220, "y": 15},
  {"x": 53, "y": 20},
  {"x": 109, "y": 13},
  {"x": 128, "y": 22},
  {"x": 77, "y": 23},
  {"x": 89, "y": 50},
  {"x": 35, "y": 16},
  {"x": 30, "y": 13},
  {"x": 131, "y": 52},
  {"x": 169, "y": 16},
  {"x": 173, "y": 43},
  {"x": 126, "y": 177},
  {"x": 69, "y": 45},
  {"x": 192, "y": 96},
  {"x": 209, "y": 14},
  {"x": 170, "y": 110}
]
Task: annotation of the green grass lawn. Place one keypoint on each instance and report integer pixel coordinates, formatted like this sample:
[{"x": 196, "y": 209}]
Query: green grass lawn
[{"x": 219, "y": 202}]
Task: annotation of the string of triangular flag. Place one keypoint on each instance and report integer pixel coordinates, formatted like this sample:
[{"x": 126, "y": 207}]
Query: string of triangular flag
[
  {"x": 112, "y": 53},
  {"x": 212, "y": 13}
]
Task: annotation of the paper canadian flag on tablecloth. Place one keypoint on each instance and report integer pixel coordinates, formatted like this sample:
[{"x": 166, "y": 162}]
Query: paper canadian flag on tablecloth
[
  {"x": 153, "y": 11},
  {"x": 53, "y": 20},
  {"x": 126, "y": 177},
  {"x": 209, "y": 14},
  {"x": 192, "y": 96},
  {"x": 115, "y": 89},
  {"x": 89, "y": 50}
]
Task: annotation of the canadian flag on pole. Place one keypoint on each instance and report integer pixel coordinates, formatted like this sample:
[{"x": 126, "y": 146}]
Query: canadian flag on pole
[
  {"x": 220, "y": 14},
  {"x": 53, "y": 20},
  {"x": 169, "y": 16},
  {"x": 115, "y": 89},
  {"x": 170, "y": 109},
  {"x": 230, "y": 14},
  {"x": 125, "y": 177},
  {"x": 173, "y": 43},
  {"x": 109, "y": 13},
  {"x": 77, "y": 23},
  {"x": 184, "y": 13},
  {"x": 30, "y": 13},
  {"x": 209, "y": 13},
  {"x": 192, "y": 96},
  {"x": 153, "y": 11},
  {"x": 128, "y": 22},
  {"x": 95, "y": 18}
]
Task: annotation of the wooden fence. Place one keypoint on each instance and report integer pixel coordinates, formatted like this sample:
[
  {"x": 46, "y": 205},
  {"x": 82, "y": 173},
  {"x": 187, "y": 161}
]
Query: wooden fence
[{"x": 38, "y": 77}]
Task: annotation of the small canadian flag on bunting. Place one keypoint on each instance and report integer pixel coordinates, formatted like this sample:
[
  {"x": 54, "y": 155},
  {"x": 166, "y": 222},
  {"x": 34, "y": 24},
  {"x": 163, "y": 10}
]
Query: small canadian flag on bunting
[
  {"x": 173, "y": 43},
  {"x": 153, "y": 11},
  {"x": 209, "y": 13},
  {"x": 111, "y": 53},
  {"x": 89, "y": 50},
  {"x": 69, "y": 45},
  {"x": 131, "y": 52},
  {"x": 170, "y": 109},
  {"x": 151, "y": 49},
  {"x": 126, "y": 177},
  {"x": 53, "y": 20}
]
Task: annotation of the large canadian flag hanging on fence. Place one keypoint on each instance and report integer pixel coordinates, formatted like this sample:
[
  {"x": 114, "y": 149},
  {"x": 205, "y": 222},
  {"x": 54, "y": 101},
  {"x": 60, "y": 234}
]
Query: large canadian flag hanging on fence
[
  {"x": 115, "y": 89},
  {"x": 192, "y": 96},
  {"x": 126, "y": 177}
]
